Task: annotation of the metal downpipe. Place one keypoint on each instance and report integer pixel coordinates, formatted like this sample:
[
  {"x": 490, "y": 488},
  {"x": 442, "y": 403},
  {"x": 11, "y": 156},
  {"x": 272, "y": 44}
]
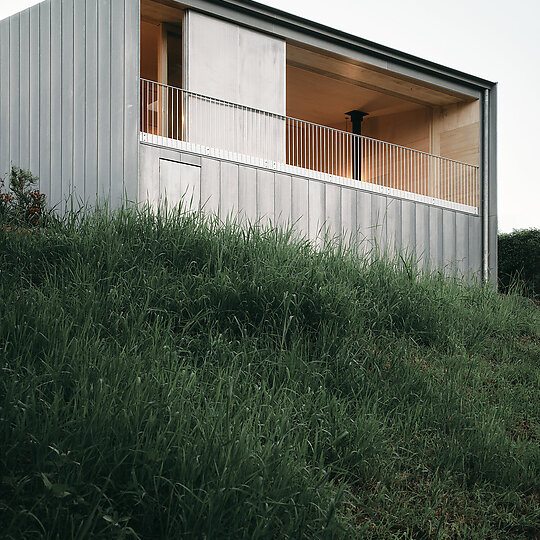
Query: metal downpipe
[{"x": 485, "y": 190}]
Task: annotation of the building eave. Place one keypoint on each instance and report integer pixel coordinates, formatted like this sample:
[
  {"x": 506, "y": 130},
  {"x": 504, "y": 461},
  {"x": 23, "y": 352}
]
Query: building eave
[{"x": 390, "y": 56}]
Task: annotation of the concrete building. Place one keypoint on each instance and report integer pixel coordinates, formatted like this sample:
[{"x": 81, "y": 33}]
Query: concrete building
[{"x": 247, "y": 110}]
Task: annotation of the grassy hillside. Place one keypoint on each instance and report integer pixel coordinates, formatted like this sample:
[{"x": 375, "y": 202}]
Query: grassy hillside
[{"x": 164, "y": 377}]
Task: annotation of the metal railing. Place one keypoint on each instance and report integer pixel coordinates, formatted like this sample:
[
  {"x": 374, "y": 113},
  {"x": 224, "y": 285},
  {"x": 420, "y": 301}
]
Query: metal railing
[{"x": 178, "y": 115}]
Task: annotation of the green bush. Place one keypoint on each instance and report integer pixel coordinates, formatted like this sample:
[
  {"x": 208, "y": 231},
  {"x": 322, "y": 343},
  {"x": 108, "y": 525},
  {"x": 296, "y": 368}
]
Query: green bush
[
  {"x": 21, "y": 205},
  {"x": 519, "y": 261}
]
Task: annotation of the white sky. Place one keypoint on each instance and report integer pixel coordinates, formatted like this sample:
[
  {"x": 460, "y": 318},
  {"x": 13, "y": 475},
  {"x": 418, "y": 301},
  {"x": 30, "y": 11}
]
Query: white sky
[{"x": 494, "y": 39}]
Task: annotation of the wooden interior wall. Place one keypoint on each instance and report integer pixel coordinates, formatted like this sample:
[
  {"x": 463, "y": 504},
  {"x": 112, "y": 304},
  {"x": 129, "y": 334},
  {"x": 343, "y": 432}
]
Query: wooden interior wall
[
  {"x": 456, "y": 132},
  {"x": 410, "y": 128},
  {"x": 150, "y": 47},
  {"x": 451, "y": 131}
]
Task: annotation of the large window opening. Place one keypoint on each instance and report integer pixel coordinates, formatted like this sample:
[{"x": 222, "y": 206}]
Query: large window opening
[{"x": 248, "y": 94}]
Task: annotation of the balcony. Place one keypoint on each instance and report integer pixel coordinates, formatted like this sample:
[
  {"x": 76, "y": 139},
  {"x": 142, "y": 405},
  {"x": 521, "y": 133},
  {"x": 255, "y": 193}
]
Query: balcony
[{"x": 193, "y": 122}]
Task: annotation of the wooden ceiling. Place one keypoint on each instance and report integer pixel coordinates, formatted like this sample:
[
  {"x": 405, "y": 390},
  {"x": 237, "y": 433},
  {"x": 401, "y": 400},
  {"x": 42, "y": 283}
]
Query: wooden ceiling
[
  {"x": 162, "y": 11},
  {"x": 325, "y": 100},
  {"x": 370, "y": 77}
]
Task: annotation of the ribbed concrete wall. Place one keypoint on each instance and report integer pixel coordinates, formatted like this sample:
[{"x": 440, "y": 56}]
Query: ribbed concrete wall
[
  {"x": 439, "y": 238},
  {"x": 69, "y": 97}
]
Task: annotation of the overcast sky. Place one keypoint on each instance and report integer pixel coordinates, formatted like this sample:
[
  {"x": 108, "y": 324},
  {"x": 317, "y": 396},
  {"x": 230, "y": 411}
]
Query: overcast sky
[{"x": 494, "y": 39}]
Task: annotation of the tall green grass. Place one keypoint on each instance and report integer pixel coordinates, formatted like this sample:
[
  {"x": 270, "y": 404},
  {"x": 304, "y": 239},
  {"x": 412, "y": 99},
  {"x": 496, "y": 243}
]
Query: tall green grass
[{"x": 168, "y": 376}]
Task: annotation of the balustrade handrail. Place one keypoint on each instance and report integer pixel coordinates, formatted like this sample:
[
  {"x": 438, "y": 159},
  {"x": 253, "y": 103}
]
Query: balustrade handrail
[
  {"x": 307, "y": 122},
  {"x": 173, "y": 113}
]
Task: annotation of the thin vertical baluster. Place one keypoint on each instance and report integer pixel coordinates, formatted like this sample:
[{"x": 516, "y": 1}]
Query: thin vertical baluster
[
  {"x": 384, "y": 177},
  {"x": 369, "y": 150},
  {"x": 452, "y": 184},
  {"x": 392, "y": 180},
  {"x": 407, "y": 164},
  {"x": 401, "y": 169},
  {"x": 295, "y": 145},
  {"x": 160, "y": 112},
  {"x": 451, "y": 181},
  {"x": 378, "y": 154},
  {"x": 382, "y": 147},
  {"x": 333, "y": 168},
  {"x": 379, "y": 162},
  {"x": 288, "y": 135},
  {"x": 409, "y": 170},
  {"x": 346, "y": 155}
]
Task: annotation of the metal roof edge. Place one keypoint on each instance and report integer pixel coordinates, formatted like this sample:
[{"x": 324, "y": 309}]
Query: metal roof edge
[{"x": 331, "y": 34}]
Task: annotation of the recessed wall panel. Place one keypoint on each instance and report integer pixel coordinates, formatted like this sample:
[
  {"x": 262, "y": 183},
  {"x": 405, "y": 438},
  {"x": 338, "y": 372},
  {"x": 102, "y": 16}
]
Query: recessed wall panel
[
  {"x": 179, "y": 185},
  {"x": 348, "y": 216},
  {"x": 282, "y": 200},
  {"x": 317, "y": 212},
  {"x": 364, "y": 223},
  {"x": 247, "y": 194},
  {"x": 333, "y": 212},
  {"x": 228, "y": 205},
  {"x": 265, "y": 197},
  {"x": 300, "y": 205}
]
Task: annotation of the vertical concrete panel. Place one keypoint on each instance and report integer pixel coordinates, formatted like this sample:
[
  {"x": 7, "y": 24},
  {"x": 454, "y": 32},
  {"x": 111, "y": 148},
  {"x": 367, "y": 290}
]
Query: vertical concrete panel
[
  {"x": 34, "y": 90},
  {"x": 247, "y": 194},
  {"x": 449, "y": 241},
  {"x": 4, "y": 97},
  {"x": 149, "y": 176},
  {"x": 239, "y": 65},
  {"x": 265, "y": 197},
  {"x": 364, "y": 222},
  {"x": 228, "y": 205},
  {"x": 67, "y": 100},
  {"x": 212, "y": 61},
  {"x": 117, "y": 101},
  {"x": 475, "y": 247},
  {"x": 79, "y": 103},
  {"x": 49, "y": 100},
  {"x": 317, "y": 212},
  {"x": 300, "y": 206},
  {"x": 190, "y": 187},
  {"x": 435, "y": 238},
  {"x": 14, "y": 90},
  {"x": 348, "y": 215},
  {"x": 91, "y": 109},
  {"x": 393, "y": 227},
  {"x": 408, "y": 229},
  {"x": 24, "y": 89},
  {"x": 131, "y": 98},
  {"x": 45, "y": 98},
  {"x": 462, "y": 244},
  {"x": 56, "y": 103},
  {"x": 235, "y": 63},
  {"x": 283, "y": 200},
  {"x": 104, "y": 100},
  {"x": 179, "y": 184},
  {"x": 261, "y": 71},
  {"x": 422, "y": 235},
  {"x": 210, "y": 185},
  {"x": 332, "y": 216},
  {"x": 378, "y": 223}
]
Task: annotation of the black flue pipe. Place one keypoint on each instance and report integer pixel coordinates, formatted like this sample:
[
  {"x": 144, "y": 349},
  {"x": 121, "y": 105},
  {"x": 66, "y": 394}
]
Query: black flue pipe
[{"x": 356, "y": 119}]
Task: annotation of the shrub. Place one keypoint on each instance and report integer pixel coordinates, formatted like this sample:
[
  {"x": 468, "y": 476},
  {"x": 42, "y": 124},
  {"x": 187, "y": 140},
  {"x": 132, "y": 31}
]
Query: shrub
[
  {"x": 24, "y": 205},
  {"x": 519, "y": 261}
]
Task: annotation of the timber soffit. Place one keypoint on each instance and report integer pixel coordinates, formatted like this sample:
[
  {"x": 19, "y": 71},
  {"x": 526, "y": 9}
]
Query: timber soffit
[{"x": 409, "y": 64}]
